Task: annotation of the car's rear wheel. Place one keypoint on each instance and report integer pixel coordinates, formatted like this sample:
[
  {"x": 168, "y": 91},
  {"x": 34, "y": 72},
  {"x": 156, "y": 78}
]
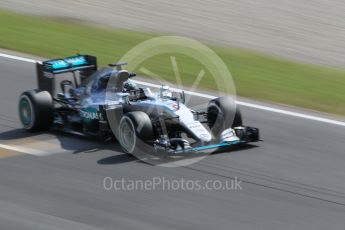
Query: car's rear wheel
[
  {"x": 36, "y": 110},
  {"x": 134, "y": 130}
]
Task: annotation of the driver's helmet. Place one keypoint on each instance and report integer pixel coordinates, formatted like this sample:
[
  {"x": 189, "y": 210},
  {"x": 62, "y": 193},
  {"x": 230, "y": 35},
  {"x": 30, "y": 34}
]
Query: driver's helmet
[{"x": 129, "y": 85}]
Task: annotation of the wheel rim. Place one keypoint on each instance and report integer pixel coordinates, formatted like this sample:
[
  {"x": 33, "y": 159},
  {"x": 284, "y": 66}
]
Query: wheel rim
[
  {"x": 25, "y": 112},
  {"x": 127, "y": 136}
]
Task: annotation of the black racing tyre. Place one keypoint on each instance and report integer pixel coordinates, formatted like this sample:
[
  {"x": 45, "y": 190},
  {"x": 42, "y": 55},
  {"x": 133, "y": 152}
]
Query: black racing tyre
[
  {"x": 222, "y": 113},
  {"x": 135, "y": 129},
  {"x": 36, "y": 110}
]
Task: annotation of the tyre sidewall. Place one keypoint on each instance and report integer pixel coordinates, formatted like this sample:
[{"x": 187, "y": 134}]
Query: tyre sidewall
[
  {"x": 225, "y": 115},
  {"x": 141, "y": 124},
  {"x": 32, "y": 112},
  {"x": 41, "y": 106},
  {"x": 126, "y": 119}
]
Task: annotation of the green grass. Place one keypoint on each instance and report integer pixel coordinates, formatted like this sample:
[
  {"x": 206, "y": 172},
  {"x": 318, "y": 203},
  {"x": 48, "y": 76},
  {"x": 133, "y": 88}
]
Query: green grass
[{"x": 256, "y": 75}]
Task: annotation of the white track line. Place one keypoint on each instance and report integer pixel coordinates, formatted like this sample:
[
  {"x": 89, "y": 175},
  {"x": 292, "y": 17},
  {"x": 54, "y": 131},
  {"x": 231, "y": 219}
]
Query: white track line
[
  {"x": 18, "y": 58},
  {"x": 251, "y": 105}
]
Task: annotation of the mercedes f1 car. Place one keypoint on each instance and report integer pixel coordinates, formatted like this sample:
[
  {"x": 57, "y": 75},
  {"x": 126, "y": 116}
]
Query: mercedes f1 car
[{"x": 75, "y": 97}]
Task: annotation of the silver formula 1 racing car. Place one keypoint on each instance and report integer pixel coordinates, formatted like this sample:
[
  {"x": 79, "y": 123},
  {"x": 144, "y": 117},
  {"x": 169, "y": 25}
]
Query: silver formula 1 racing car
[{"x": 75, "y": 97}]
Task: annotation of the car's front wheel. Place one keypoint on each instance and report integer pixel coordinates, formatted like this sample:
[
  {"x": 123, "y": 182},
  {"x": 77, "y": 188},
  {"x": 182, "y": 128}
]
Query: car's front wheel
[
  {"x": 135, "y": 129},
  {"x": 223, "y": 113}
]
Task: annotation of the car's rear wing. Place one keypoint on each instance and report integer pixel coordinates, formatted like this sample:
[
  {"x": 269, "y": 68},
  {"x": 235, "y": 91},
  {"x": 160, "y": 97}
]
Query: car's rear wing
[{"x": 47, "y": 70}]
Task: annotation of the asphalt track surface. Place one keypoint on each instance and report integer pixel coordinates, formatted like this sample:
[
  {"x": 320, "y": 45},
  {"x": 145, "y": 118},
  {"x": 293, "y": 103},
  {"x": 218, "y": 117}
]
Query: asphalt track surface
[{"x": 295, "y": 179}]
